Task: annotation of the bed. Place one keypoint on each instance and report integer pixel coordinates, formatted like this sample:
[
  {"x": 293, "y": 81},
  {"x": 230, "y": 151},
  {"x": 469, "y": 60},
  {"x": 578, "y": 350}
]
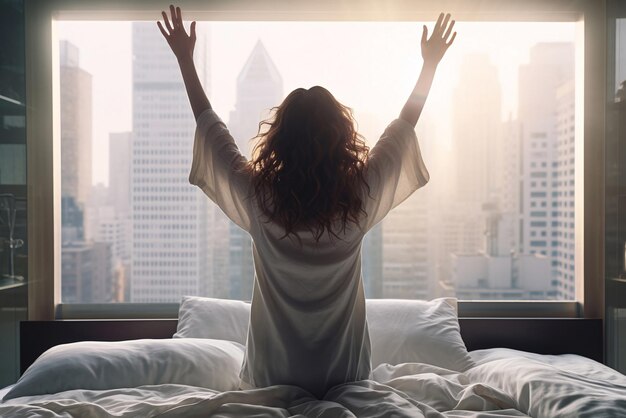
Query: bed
[{"x": 426, "y": 362}]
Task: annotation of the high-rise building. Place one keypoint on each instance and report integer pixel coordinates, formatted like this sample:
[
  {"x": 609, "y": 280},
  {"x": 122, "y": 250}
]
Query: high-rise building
[
  {"x": 477, "y": 169},
  {"x": 407, "y": 265},
  {"x": 563, "y": 236},
  {"x": 550, "y": 65},
  {"x": 170, "y": 216},
  {"x": 85, "y": 266},
  {"x": 86, "y": 270},
  {"x": 476, "y": 137},
  {"x": 75, "y": 90},
  {"x": 114, "y": 220},
  {"x": 259, "y": 88}
]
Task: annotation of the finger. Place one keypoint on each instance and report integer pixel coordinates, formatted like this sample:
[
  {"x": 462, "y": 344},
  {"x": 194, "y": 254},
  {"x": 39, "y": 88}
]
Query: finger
[
  {"x": 447, "y": 34},
  {"x": 451, "y": 39},
  {"x": 193, "y": 31},
  {"x": 438, "y": 23},
  {"x": 167, "y": 22},
  {"x": 179, "y": 17},
  {"x": 424, "y": 34},
  {"x": 446, "y": 19},
  {"x": 174, "y": 18},
  {"x": 165, "y": 34}
]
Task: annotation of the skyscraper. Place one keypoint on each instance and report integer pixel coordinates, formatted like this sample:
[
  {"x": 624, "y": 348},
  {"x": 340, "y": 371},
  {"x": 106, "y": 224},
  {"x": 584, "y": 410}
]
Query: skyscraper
[
  {"x": 563, "y": 237},
  {"x": 476, "y": 132},
  {"x": 170, "y": 216},
  {"x": 115, "y": 222},
  {"x": 259, "y": 88},
  {"x": 477, "y": 166},
  {"x": 550, "y": 65},
  {"x": 86, "y": 265},
  {"x": 75, "y": 90},
  {"x": 407, "y": 267}
]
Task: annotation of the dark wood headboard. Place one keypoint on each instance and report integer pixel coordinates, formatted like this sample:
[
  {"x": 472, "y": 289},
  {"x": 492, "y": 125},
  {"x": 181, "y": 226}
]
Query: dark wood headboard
[{"x": 537, "y": 335}]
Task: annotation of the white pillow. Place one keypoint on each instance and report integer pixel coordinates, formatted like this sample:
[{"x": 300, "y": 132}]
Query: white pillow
[
  {"x": 401, "y": 331},
  {"x": 211, "y": 364},
  {"x": 220, "y": 319},
  {"x": 416, "y": 331}
]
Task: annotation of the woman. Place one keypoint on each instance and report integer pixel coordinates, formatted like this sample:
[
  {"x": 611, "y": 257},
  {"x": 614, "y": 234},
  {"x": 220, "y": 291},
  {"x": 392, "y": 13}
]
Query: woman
[{"x": 307, "y": 198}]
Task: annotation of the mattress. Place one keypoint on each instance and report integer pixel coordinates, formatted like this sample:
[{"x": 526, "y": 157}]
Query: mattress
[{"x": 504, "y": 383}]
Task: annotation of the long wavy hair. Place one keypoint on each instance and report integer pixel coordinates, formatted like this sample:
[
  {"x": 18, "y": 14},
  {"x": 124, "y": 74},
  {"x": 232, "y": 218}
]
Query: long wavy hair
[{"x": 308, "y": 165}]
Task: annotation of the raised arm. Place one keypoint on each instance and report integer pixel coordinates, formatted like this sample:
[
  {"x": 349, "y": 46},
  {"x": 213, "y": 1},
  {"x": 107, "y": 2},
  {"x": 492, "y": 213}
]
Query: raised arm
[
  {"x": 182, "y": 46},
  {"x": 433, "y": 50}
]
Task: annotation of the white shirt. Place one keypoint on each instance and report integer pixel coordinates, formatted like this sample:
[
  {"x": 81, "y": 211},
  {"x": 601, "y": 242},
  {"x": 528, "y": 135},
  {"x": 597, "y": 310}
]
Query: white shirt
[{"x": 307, "y": 323}]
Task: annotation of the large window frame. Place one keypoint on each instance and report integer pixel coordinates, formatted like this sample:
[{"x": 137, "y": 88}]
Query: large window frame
[{"x": 43, "y": 149}]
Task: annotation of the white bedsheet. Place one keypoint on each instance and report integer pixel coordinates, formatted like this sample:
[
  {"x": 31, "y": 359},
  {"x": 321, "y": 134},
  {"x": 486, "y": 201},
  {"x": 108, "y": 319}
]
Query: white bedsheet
[
  {"x": 4, "y": 391},
  {"x": 552, "y": 386},
  {"x": 503, "y": 384}
]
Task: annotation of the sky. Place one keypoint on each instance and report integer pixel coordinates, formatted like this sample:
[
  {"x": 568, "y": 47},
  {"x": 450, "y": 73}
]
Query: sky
[{"x": 369, "y": 66}]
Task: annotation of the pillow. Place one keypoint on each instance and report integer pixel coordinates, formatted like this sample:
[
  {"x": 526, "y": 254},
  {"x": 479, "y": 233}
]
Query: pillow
[
  {"x": 416, "y": 331},
  {"x": 220, "y": 319},
  {"x": 211, "y": 364},
  {"x": 401, "y": 331}
]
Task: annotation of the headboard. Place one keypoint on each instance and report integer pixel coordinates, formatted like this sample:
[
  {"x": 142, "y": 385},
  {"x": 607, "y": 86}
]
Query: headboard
[{"x": 538, "y": 335}]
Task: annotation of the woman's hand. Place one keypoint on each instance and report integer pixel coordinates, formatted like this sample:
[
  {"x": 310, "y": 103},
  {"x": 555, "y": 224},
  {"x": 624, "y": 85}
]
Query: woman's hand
[
  {"x": 434, "y": 48},
  {"x": 182, "y": 44}
]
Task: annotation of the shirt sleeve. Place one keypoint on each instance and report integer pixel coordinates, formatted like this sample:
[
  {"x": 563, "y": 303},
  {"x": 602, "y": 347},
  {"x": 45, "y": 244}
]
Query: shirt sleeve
[
  {"x": 216, "y": 168},
  {"x": 395, "y": 170}
]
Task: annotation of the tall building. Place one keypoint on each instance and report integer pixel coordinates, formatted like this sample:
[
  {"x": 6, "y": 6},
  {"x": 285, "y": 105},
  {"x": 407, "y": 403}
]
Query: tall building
[
  {"x": 86, "y": 265},
  {"x": 476, "y": 133},
  {"x": 550, "y": 65},
  {"x": 86, "y": 270},
  {"x": 563, "y": 237},
  {"x": 407, "y": 265},
  {"x": 477, "y": 169},
  {"x": 170, "y": 216},
  {"x": 75, "y": 90},
  {"x": 115, "y": 222},
  {"x": 259, "y": 88}
]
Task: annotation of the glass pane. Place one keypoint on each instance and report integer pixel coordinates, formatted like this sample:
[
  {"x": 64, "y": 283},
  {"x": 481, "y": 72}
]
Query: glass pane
[
  {"x": 13, "y": 228},
  {"x": 615, "y": 289},
  {"x": 496, "y": 220}
]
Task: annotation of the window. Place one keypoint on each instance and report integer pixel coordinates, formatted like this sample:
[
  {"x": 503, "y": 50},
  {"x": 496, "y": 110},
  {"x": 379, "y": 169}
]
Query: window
[
  {"x": 43, "y": 173},
  {"x": 146, "y": 235}
]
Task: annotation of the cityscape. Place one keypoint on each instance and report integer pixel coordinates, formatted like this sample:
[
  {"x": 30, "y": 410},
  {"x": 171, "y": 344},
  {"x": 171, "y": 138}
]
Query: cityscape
[{"x": 496, "y": 222}]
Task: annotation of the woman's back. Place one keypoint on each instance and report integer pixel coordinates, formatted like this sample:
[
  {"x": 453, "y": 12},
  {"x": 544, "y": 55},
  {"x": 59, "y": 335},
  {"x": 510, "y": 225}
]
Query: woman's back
[{"x": 308, "y": 323}]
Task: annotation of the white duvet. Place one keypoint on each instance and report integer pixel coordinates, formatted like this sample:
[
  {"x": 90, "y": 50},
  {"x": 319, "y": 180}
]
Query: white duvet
[{"x": 504, "y": 383}]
